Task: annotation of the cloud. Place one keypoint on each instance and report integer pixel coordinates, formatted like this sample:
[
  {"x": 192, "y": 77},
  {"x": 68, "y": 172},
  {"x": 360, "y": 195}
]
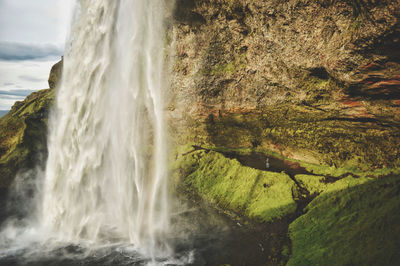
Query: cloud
[
  {"x": 38, "y": 21},
  {"x": 32, "y": 36},
  {"x": 7, "y": 94},
  {"x": 9, "y": 97},
  {"x": 29, "y": 78},
  {"x": 14, "y": 88},
  {"x": 19, "y": 51},
  {"x": 6, "y": 103}
]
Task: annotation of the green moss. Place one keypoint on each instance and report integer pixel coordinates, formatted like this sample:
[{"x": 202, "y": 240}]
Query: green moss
[
  {"x": 235, "y": 131},
  {"x": 238, "y": 63},
  {"x": 315, "y": 83},
  {"x": 259, "y": 195},
  {"x": 314, "y": 184},
  {"x": 318, "y": 184},
  {"x": 55, "y": 74},
  {"x": 320, "y": 171},
  {"x": 23, "y": 135},
  {"x": 311, "y": 128},
  {"x": 356, "y": 24},
  {"x": 358, "y": 170},
  {"x": 318, "y": 90},
  {"x": 36, "y": 104},
  {"x": 340, "y": 143},
  {"x": 222, "y": 69},
  {"x": 285, "y": 251},
  {"x": 354, "y": 222}
]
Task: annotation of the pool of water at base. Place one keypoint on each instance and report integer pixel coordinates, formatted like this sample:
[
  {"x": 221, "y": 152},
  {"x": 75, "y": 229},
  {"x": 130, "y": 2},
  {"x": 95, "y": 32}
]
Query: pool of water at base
[{"x": 203, "y": 237}]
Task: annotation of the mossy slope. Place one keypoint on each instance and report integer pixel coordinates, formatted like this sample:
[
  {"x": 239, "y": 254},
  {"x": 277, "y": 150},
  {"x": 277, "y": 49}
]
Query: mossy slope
[
  {"x": 23, "y": 131},
  {"x": 353, "y": 217},
  {"x": 353, "y": 222},
  {"x": 23, "y": 135},
  {"x": 245, "y": 191}
]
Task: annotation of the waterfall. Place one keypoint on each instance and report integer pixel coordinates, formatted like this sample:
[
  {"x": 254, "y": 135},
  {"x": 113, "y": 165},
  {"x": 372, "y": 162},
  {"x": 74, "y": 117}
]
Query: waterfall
[{"x": 106, "y": 174}]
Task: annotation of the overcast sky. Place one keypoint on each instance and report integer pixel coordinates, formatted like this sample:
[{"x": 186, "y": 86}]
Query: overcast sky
[{"x": 32, "y": 38}]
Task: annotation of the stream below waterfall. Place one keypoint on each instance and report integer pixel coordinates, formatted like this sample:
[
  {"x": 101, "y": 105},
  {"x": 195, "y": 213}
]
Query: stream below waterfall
[{"x": 204, "y": 237}]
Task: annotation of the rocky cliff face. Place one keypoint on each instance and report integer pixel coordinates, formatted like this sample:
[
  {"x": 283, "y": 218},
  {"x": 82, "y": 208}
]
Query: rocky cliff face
[
  {"x": 315, "y": 87},
  {"x": 23, "y": 132},
  {"x": 317, "y": 81}
]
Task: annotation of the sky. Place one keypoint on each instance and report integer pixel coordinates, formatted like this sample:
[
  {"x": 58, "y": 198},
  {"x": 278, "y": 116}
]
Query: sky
[{"x": 32, "y": 38}]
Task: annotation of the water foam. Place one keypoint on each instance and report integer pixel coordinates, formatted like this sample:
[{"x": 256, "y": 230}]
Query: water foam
[{"x": 106, "y": 174}]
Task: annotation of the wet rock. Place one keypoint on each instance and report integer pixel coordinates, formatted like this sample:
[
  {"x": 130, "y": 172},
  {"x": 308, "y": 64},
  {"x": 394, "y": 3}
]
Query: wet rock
[
  {"x": 291, "y": 70},
  {"x": 55, "y": 74}
]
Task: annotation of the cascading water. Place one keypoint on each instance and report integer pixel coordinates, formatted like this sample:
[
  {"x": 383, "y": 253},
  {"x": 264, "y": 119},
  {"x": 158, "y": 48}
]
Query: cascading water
[
  {"x": 103, "y": 198},
  {"x": 106, "y": 174}
]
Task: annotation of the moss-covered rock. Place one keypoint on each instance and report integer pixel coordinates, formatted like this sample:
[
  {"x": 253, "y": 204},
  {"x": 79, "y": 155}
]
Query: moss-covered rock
[
  {"x": 313, "y": 184},
  {"x": 23, "y": 131},
  {"x": 305, "y": 134},
  {"x": 23, "y": 135},
  {"x": 55, "y": 74},
  {"x": 321, "y": 88},
  {"x": 239, "y": 190},
  {"x": 352, "y": 212},
  {"x": 353, "y": 222}
]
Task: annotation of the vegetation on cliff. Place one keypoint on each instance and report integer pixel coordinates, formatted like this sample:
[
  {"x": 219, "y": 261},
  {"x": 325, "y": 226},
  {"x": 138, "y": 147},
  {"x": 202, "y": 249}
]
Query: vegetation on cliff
[
  {"x": 23, "y": 135},
  {"x": 23, "y": 131},
  {"x": 354, "y": 223},
  {"x": 319, "y": 91},
  {"x": 354, "y": 214},
  {"x": 240, "y": 190},
  {"x": 322, "y": 88}
]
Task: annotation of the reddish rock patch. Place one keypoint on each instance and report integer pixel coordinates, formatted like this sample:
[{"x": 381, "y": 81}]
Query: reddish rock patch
[
  {"x": 385, "y": 83},
  {"x": 351, "y": 103},
  {"x": 396, "y": 102},
  {"x": 372, "y": 66}
]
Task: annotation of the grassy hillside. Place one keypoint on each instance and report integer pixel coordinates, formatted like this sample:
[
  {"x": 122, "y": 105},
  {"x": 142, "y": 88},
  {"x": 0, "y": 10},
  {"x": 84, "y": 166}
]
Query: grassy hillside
[{"x": 23, "y": 133}]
